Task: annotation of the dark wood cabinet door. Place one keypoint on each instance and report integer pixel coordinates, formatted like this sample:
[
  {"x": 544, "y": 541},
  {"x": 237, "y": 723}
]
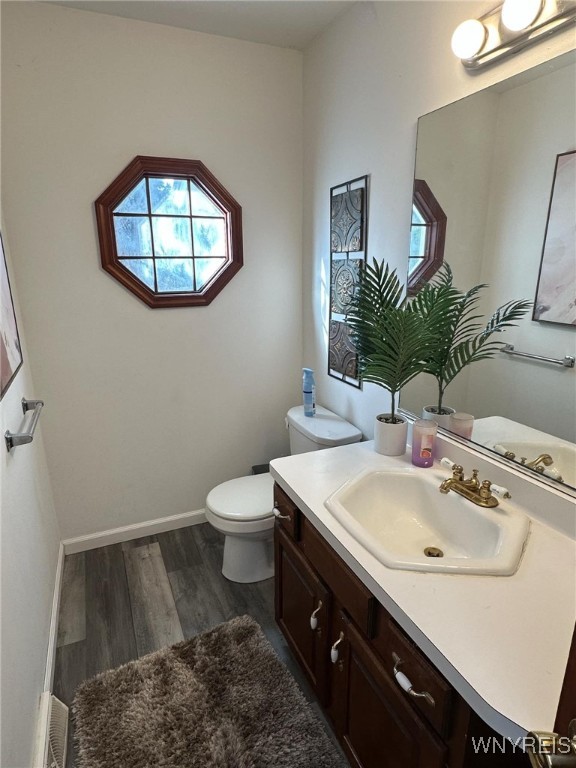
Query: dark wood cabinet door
[
  {"x": 300, "y": 594},
  {"x": 377, "y": 727}
]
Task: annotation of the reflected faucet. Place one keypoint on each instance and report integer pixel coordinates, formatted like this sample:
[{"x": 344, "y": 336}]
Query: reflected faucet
[{"x": 544, "y": 460}]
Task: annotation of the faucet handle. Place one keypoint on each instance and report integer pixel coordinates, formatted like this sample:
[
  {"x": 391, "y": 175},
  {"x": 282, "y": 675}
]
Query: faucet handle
[
  {"x": 485, "y": 491},
  {"x": 500, "y": 491},
  {"x": 457, "y": 469}
]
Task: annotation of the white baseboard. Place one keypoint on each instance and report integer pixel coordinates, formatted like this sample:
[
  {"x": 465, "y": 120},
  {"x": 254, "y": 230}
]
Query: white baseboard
[
  {"x": 53, "y": 632},
  {"x": 135, "y": 531}
]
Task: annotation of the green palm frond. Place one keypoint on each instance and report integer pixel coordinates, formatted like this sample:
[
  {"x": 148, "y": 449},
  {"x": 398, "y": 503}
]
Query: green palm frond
[
  {"x": 391, "y": 339},
  {"x": 462, "y": 335}
]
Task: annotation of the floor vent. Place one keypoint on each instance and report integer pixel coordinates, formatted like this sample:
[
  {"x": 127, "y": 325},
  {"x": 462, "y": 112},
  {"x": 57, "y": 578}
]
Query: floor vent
[{"x": 52, "y": 733}]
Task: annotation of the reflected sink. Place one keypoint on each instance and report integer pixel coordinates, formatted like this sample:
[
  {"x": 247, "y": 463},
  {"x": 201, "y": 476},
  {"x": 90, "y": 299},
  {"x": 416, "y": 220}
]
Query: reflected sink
[
  {"x": 564, "y": 455},
  {"x": 397, "y": 515}
]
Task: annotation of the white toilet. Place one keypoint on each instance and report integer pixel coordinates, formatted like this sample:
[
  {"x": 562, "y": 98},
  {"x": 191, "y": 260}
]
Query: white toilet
[{"x": 242, "y": 509}]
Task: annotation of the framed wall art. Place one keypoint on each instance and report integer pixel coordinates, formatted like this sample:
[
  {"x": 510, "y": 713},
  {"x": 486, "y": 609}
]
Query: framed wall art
[
  {"x": 556, "y": 290},
  {"x": 10, "y": 350},
  {"x": 348, "y": 245}
]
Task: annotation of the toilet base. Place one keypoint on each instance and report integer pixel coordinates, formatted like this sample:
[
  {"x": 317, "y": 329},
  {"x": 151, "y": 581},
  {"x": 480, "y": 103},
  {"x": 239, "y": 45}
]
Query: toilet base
[{"x": 248, "y": 558}]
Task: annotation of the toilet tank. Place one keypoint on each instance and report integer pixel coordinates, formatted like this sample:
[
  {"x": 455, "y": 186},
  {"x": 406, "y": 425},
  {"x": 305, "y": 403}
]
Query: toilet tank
[{"x": 324, "y": 430}]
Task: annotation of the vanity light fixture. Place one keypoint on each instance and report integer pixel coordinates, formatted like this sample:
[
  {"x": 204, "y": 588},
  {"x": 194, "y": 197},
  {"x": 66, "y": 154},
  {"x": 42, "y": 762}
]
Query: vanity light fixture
[{"x": 508, "y": 28}]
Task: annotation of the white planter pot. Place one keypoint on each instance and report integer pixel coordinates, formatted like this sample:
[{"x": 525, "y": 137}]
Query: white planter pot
[
  {"x": 443, "y": 420},
  {"x": 390, "y": 439}
]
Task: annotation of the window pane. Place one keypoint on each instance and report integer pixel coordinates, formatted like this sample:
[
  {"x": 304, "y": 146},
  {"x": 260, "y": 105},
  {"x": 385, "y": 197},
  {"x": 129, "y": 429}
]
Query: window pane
[
  {"x": 174, "y": 275},
  {"x": 135, "y": 202},
  {"x": 202, "y": 205},
  {"x": 169, "y": 196},
  {"x": 171, "y": 236},
  {"x": 209, "y": 237},
  {"x": 206, "y": 269},
  {"x": 133, "y": 236},
  {"x": 142, "y": 268},
  {"x": 418, "y": 236},
  {"x": 417, "y": 217},
  {"x": 413, "y": 264}
]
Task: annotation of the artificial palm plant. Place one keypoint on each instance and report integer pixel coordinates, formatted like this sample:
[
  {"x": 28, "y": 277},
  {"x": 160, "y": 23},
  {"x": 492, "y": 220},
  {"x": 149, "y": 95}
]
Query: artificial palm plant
[
  {"x": 393, "y": 342},
  {"x": 462, "y": 336}
]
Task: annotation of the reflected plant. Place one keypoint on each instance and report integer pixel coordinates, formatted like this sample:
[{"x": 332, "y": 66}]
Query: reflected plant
[{"x": 461, "y": 336}]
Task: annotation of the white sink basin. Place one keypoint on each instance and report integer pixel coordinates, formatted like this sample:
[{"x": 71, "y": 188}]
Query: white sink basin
[{"x": 397, "y": 514}]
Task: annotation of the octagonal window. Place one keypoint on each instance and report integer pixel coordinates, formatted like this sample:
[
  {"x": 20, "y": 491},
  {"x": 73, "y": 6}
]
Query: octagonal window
[{"x": 169, "y": 232}]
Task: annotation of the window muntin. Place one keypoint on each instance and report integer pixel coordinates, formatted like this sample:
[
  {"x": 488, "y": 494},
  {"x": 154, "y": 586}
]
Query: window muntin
[
  {"x": 169, "y": 232},
  {"x": 174, "y": 222},
  {"x": 427, "y": 237}
]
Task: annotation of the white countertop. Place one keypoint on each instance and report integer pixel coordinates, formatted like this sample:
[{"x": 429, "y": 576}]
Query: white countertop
[{"x": 501, "y": 641}]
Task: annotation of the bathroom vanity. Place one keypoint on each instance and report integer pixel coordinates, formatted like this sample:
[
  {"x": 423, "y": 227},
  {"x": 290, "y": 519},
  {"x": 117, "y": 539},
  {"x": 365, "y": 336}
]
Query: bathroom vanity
[{"x": 419, "y": 669}]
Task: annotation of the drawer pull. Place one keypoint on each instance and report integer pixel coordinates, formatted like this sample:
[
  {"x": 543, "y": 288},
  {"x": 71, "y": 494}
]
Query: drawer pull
[
  {"x": 406, "y": 685},
  {"x": 279, "y": 516},
  {"x": 313, "y": 619},
  {"x": 334, "y": 649}
]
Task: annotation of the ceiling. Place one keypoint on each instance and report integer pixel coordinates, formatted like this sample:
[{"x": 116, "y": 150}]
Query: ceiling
[{"x": 285, "y": 23}]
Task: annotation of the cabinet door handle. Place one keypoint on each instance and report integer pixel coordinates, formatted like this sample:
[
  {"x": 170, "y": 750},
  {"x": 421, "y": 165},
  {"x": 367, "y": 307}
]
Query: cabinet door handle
[
  {"x": 279, "y": 516},
  {"x": 334, "y": 649},
  {"x": 313, "y": 619},
  {"x": 406, "y": 685}
]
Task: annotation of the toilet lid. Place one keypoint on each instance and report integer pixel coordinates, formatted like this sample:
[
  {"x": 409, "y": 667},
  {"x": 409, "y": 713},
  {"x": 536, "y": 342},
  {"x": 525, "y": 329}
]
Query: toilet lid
[
  {"x": 245, "y": 498},
  {"x": 325, "y": 428}
]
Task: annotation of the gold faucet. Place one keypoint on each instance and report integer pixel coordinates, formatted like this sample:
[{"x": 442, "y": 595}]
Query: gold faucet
[
  {"x": 472, "y": 489},
  {"x": 544, "y": 459}
]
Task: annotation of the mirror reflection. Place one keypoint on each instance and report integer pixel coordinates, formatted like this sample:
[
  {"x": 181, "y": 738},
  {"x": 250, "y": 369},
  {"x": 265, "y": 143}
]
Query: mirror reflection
[{"x": 489, "y": 161}]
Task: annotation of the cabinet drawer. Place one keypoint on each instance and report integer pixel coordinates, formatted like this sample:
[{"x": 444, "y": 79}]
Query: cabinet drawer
[
  {"x": 289, "y": 520},
  {"x": 423, "y": 676},
  {"x": 354, "y": 597}
]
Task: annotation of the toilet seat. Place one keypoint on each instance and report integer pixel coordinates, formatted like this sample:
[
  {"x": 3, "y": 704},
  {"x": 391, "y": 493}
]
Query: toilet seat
[{"x": 244, "y": 499}]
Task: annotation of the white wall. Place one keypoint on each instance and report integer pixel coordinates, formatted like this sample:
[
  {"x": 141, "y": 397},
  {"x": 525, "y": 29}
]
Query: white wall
[
  {"x": 149, "y": 409},
  {"x": 29, "y": 539},
  {"x": 367, "y": 80}
]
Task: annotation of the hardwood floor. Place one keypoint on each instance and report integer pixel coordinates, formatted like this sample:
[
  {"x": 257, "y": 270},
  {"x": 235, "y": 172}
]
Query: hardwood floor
[{"x": 123, "y": 601}]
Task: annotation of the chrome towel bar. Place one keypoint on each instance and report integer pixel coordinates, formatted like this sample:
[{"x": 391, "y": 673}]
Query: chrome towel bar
[
  {"x": 566, "y": 362},
  {"x": 21, "y": 438}
]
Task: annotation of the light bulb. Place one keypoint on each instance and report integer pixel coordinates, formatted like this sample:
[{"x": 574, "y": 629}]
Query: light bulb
[
  {"x": 519, "y": 14},
  {"x": 468, "y": 38}
]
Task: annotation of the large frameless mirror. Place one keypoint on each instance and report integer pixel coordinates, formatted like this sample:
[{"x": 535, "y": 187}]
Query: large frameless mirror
[{"x": 490, "y": 161}]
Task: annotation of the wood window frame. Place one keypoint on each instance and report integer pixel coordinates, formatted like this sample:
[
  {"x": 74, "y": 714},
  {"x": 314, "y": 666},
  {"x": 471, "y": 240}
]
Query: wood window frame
[
  {"x": 142, "y": 167},
  {"x": 431, "y": 210}
]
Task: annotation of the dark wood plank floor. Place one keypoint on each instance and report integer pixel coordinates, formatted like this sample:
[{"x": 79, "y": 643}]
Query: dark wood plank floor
[{"x": 125, "y": 600}]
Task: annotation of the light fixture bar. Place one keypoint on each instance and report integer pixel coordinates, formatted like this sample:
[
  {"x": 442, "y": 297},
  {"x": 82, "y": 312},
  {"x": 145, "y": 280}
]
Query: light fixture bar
[{"x": 501, "y": 42}]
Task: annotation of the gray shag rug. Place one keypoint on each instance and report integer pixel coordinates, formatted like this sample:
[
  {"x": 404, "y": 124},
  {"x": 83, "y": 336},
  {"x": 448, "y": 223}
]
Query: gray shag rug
[{"x": 220, "y": 700}]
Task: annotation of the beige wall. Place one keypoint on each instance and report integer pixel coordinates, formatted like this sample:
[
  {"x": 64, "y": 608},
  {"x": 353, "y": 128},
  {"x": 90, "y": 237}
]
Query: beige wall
[
  {"x": 367, "y": 80},
  {"x": 149, "y": 409}
]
